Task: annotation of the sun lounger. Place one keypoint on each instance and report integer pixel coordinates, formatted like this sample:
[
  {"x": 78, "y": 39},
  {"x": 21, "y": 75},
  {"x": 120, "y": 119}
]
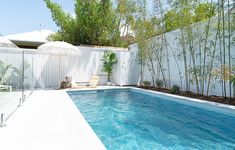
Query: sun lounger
[
  {"x": 93, "y": 82},
  {"x": 6, "y": 87}
]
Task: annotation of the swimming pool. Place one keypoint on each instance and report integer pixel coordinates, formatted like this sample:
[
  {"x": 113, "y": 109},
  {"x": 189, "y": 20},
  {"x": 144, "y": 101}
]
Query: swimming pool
[{"x": 130, "y": 119}]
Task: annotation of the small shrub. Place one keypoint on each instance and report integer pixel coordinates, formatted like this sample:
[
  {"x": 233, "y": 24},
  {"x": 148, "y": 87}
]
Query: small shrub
[
  {"x": 159, "y": 83},
  {"x": 175, "y": 89},
  {"x": 66, "y": 84},
  {"x": 146, "y": 83}
]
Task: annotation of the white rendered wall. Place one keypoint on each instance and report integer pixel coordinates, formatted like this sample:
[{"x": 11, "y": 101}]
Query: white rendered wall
[
  {"x": 174, "y": 48},
  {"x": 46, "y": 70}
]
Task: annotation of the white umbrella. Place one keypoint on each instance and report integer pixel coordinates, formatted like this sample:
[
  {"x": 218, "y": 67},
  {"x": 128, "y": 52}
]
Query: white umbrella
[
  {"x": 6, "y": 43},
  {"x": 63, "y": 50},
  {"x": 57, "y": 47}
]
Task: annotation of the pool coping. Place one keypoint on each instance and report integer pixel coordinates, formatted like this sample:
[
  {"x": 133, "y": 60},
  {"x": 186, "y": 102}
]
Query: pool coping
[{"x": 201, "y": 101}]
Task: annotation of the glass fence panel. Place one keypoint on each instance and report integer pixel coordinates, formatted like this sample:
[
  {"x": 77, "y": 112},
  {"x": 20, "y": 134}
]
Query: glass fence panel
[
  {"x": 11, "y": 83},
  {"x": 29, "y": 77}
]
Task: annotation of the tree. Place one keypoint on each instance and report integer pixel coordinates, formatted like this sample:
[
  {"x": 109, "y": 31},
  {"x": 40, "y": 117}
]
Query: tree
[
  {"x": 126, "y": 10},
  {"x": 95, "y": 23},
  {"x": 184, "y": 14}
]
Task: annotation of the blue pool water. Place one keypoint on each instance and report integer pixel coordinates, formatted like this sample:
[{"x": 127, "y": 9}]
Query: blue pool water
[{"x": 129, "y": 120}]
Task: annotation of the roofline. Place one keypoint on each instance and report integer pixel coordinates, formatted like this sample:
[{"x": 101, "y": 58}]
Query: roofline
[{"x": 28, "y": 43}]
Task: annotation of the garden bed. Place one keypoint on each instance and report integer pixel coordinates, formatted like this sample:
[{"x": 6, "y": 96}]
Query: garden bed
[{"x": 212, "y": 98}]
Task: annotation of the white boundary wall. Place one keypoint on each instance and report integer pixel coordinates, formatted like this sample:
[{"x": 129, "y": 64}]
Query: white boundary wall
[
  {"x": 174, "y": 48},
  {"x": 47, "y": 70}
]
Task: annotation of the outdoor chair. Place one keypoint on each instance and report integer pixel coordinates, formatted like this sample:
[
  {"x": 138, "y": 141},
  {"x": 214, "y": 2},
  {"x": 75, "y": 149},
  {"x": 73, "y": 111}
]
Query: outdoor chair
[
  {"x": 6, "y": 87},
  {"x": 93, "y": 82}
]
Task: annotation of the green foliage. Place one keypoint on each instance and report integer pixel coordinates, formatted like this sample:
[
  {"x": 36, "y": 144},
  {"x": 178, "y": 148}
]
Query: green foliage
[
  {"x": 146, "y": 83},
  {"x": 232, "y": 79},
  {"x": 204, "y": 42},
  {"x": 126, "y": 10},
  {"x": 186, "y": 17},
  {"x": 18, "y": 74},
  {"x": 174, "y": 20},
  {"x": 159, "y": 83},
  {"x": 95, "y": 23},
  {"x": 98, "y": 23},
  {"x": 204, "y": 11},
  {"x": 3, "y": 72},
  {"x": 171, "y": 20},
  {"x": 144, "y": 30},
  {"x": 184, "y": 14},
  {"x": 232, "y": 74},
  {"x": 175, "y": 89},
  {"x": 109, "y": 60}
]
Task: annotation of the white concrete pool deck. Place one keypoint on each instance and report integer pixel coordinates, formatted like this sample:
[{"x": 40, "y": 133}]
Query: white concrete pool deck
[{"x": 48, "y": 120}]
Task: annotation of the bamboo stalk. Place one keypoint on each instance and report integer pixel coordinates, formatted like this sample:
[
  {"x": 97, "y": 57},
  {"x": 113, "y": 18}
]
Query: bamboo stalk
[
  {"x": 224, "y": 48},
  {"x": 193, "y": 57},
  {"x": 213, "y": 54},
  {"x": 229, "y": 49},
  {"x": 185, "y": 61},
  {"x": 205, "y": 54},
  {"x": 177, "y": 64},
  {"x": 220, "y": 52}
]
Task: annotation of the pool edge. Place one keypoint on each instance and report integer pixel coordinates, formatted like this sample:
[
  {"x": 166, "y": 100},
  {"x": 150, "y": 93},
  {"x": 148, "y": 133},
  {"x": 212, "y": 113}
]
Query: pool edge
[{"x": 183, "y": 98}]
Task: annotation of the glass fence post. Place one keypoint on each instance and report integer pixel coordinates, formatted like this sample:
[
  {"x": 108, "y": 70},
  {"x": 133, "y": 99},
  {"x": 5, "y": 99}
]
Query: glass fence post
[
  {"x": 23, "y": 99},
  {"x": 20, "y": 102},
  {"x": 22, "y": 85},
  {"x": 2, "y": 124}
]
